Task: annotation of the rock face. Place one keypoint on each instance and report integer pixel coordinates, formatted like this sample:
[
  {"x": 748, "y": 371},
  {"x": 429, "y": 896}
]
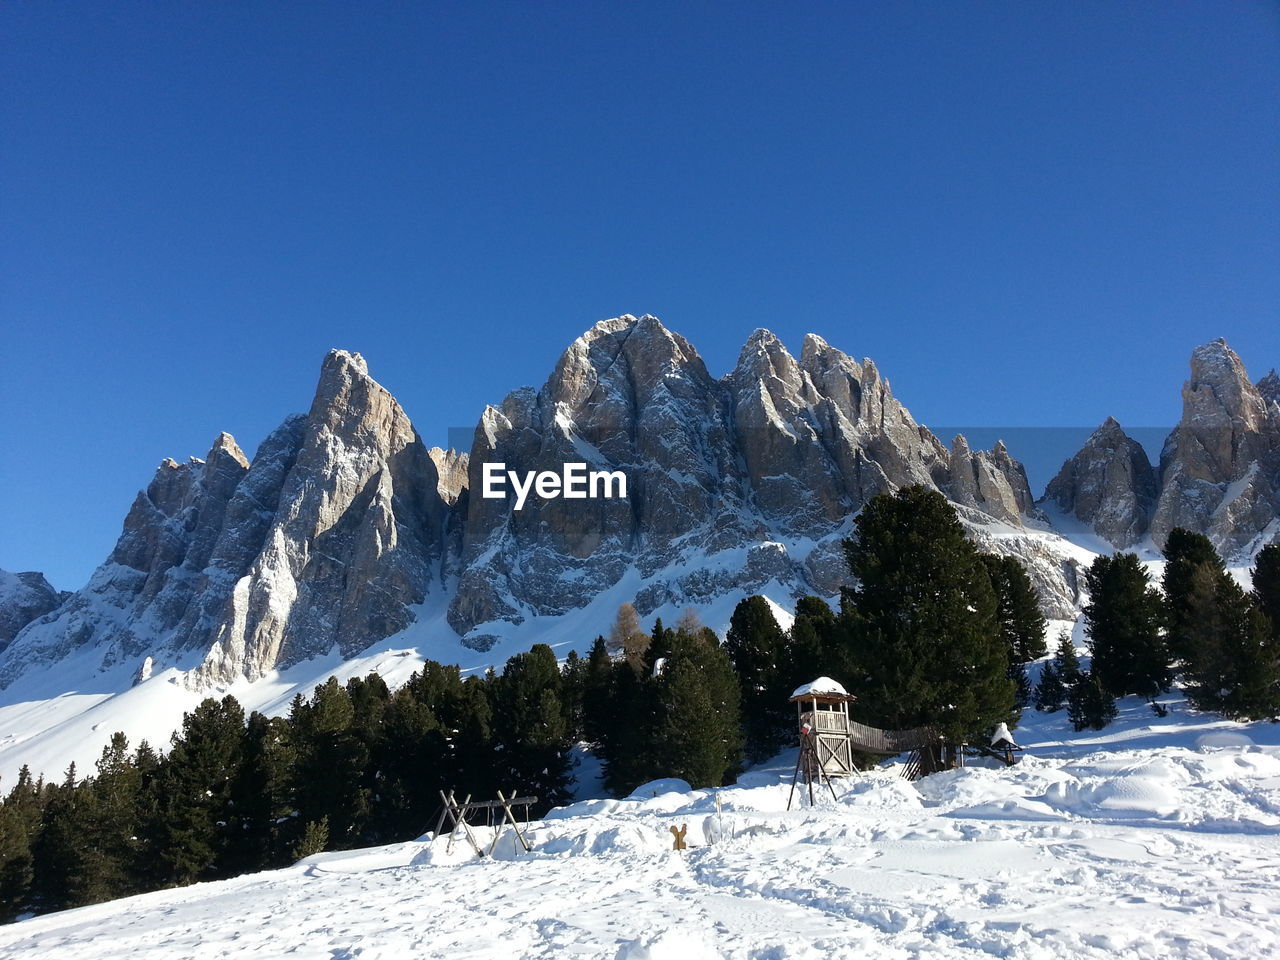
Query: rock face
[
  {"x": 345, "y": 527},
  {"x": 1220, "y": 467},
  {"x": 735, "y": 482},
  {"x": 24, "y": 597},
  {"x": 357, "y": 538},
  {"x": 993, "y": 483},
  {"x": 1109, "y": 485},
  {"x": 233, "y": 569}
]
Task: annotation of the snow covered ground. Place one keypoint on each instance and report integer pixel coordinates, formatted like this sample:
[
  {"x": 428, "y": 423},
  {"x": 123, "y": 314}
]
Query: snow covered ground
[{"x": 1154, "y": 838}]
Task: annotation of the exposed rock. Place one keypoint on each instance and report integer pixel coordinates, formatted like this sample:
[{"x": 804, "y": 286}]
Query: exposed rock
[
  {"x": 1269, "y": 390},
  {"x": 1220, "y": 467},
  {"x": 336, "y": 529},
  {"x": 357, "y": 538},
  {"x": 734, "y": 483},
  {"x": 1109, "y": 485},
  {"x": 24, "y": 597},
  {"x": 134, "y": 601},
  {"x": 992, "y": 482}
]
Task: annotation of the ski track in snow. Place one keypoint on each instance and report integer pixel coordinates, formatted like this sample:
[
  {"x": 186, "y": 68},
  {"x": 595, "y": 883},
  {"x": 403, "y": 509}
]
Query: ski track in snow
[{"x": 1153, "y": 839}]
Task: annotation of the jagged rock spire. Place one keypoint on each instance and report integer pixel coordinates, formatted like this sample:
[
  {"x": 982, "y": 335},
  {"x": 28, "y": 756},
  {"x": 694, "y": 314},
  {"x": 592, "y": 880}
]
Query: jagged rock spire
[
  {"x": 1220, "y": 468},
  {"x": 1109, "y": 484}
]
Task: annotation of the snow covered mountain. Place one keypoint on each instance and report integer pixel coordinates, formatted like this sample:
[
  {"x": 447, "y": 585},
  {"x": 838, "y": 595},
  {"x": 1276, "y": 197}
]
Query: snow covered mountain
[
  {"x": 1219, "y": 472},
  {"x": 346, "y": 538}
]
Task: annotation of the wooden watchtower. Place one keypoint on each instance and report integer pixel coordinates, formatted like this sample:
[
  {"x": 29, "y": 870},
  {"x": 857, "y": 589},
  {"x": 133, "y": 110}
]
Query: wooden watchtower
[{"x": 826, "y": 742}]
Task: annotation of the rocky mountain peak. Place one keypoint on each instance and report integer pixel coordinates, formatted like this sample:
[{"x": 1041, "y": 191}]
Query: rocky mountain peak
[
  {"x": 989, "y": 481},
  {"x": 1109, "y": 485},
  {"x": 225, "y": 446},
  {"x": 24, "y": 597},
  {"x": 1220, "y": 467}
]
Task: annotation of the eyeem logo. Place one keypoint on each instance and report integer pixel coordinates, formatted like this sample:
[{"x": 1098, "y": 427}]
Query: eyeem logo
[{"x": 573, "y": 482}]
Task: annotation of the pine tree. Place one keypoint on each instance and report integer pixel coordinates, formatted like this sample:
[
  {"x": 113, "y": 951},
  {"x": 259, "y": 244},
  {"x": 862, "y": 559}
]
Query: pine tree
[
  {"x": 1266, "y": 586},
  {"x": 757, "y": 647},
  {"x": 1122, "y": 620},
  {"x": 1184, "y": 551},
  {"x": 813, "y": 648},
  {"x": 315, "y": 839},
  {"x": 1089, "y": 706},
  {"x": 530, "y": 728},
  {"x": 598, "y": 709},
  {"x": 110, "y": 824},
  {"x": 20, "y": 819},
  {"x": 56, "y": 852},
  {"x": 1022, "y": 625},
  {"x": 695, "y": 732},
  {"x": 922, "y": 619},
  {"x": 1065, "y": 660},
  {"x": 188, "y": 832},
  {"x": 573, "y": 676},
  {"x": 329, "y": 778},
  {"x": 1233, "y": 661},
  {"x": 1050, "y": 693},
  {"x": 260, "y": 831}
]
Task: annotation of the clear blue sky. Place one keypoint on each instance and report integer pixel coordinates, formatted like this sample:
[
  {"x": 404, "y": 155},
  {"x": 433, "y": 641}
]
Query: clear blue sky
[{"x": 1027, "y": 213}]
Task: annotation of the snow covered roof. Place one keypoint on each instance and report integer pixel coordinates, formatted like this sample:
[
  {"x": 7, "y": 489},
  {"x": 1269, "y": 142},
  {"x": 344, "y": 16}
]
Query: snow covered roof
[
  {"x": 1001, "y": 735},
  {"x": 822, "y": 687}
]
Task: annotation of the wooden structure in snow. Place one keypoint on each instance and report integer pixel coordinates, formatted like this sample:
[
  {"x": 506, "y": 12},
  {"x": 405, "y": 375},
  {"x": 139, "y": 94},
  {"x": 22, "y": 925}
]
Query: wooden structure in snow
[
  {"x": 456, "y": 813},
  {"x": 829, "y": 738}
]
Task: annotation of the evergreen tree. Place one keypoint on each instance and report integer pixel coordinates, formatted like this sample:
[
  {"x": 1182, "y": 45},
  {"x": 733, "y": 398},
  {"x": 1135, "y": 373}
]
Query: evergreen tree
[
  {"x": 530, "y": 728},
  {"x": 1184, "y": 551},
  {"x": 262, "y": 824},
  {"x": 1233, "y": 661},
  {"x": 695, "y": 732},
  {"x": 598, "y": 709},
  {"x": 188, "y": 832},
  {"x": 110, "y": 823},
  {"x": 150, "y": 872},
  {"x": 330, "y": 764},
  {"x": 922, "y": 617},
  {"x": 1065, "y": 660},
  {"x": 1266, "y": 586},
  {"x": 56, "y": 849},
  {"x": 20, "y": 818},
  {"x": 658, "y": 647},
  {"x": 573, "y": 677},
  {"x": 1050, "y": 693},
  {"x": 757, "y": 647},
  {"x": 315, "y": 839},
  {"x": 1089, "y": 706},
  {"x": 1022, "y": 625},
  {"x": 435, "y": 735},
  {"x": 1122, "y": 620},
  {"x": 627, "y": 743},
  {"x": 812, "y": 646}
]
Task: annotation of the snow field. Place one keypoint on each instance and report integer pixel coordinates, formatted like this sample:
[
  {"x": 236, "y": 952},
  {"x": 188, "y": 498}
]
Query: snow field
[{"x": 1163, "y": 841}]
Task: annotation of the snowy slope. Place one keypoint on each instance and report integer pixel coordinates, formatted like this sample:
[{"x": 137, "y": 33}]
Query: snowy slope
[{"x": 1154, "y": 838}]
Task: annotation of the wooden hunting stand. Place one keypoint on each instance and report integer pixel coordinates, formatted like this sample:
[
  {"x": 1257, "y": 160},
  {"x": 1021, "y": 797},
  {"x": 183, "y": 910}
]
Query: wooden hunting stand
[
  {"x": 829, "y": 737},
  {"x": 456, "y": 813}
]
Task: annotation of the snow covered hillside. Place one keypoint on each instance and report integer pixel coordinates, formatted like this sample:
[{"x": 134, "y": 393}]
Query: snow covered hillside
[{"x": 1153, "y": 838}]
